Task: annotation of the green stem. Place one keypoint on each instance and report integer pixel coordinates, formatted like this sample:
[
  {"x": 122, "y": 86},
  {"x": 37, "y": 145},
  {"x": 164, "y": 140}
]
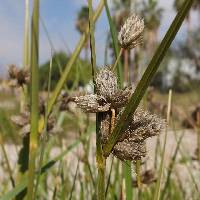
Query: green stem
[
  {"x": 101, "y": 161},
  {"x": 34, "y": 98},
  {"x": 44, "y": 135},
  {"x": 7, "y": 161},
  {"x": 117, "y": 60},
  {"x": 198, "y": 136},
  {"x": 158, "y": 184},
  {"x": 138, "y": 174}
]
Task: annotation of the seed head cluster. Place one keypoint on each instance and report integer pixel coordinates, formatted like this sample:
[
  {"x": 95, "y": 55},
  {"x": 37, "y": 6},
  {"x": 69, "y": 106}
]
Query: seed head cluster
[
  {"x": 108, "y": 95},
  {"x": 23, "y": 119},
  {"x": 19, "y": 77},
  {"x": 131, "y": 33},
  {"x": 131, "y": 143}
]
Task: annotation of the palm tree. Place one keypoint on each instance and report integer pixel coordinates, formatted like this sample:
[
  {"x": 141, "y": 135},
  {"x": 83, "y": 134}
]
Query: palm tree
[
  {"x": 82, "y": 24},
  {"x": 177, "y": 6},
  {"x": 196, "y": 6},
  {"x": 152, "y": 15}
]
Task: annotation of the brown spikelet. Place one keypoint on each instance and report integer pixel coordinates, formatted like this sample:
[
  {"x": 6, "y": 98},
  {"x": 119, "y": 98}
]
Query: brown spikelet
[
  {"x": 131, "y": 33},
  {"x": 92, "y": 103},
  {"x": 106, "y": 83},
  {"x": 21, "y": 76},
  {"x": 129, "y": 150},
  {"x": 142, "y": 126},
  {"x": 107, "y": 96},
  {"x": 108, "y": 100}
]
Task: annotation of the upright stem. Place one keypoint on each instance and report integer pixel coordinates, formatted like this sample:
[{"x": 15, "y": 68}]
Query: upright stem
[
  {"x": 138, "y": 174},
  {"x": 117, "y": 60},
  {"x": 198, "y": 136},
  {"x": 101, "y": 161},
  {"x": 158, "y": 184},
  {"x": 33, "y": 145}
]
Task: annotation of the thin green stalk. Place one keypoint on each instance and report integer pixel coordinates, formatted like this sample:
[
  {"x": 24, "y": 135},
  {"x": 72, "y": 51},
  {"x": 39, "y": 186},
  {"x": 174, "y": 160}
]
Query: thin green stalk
[
  {"x": 24, "y": 155},
  {"x": 26, "y": 56},
  {"x": 171, "y": 166},
  {"x": 147, "y": 76},
  {"x": 128, "y": 180},
  {"x": 44, "y": 135},
  {"x": 101, "y": 161},
  {"x": 33, "y": 145},
  {"x": 189, "y": 169},
  {"x": 198, "y": 136},
  {"x": 71, "y": 61},
  {"x": 73, "y": 186},
  {"x": 7, "y": 161},
  {"x": 51, "y": 44},
  {"x": 115, "y": 43},
  {"x": 117, "y": 60},
  {"x": 109, "y": 177},
  {"x": 160, "y": 175},
  {"x": 138, "y": 174},
  {"x": 92, "y": 40}
]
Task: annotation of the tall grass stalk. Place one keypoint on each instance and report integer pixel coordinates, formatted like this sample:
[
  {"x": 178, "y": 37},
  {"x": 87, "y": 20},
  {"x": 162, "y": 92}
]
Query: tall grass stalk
[
  {"x": 7, "y": 160},
  {"x": 26, "y": 52},
  {"x": 160, "y": 175},
  {"x": 101, "y": 161},
  {"x": 34, "y": 98},
  {"x": 23, "y": 155},
  {"x": 117, "y": 50},
  {"x": 71, "y": 61},
  {"x": 44, "y": 134},
  {"x": 26, "y": 56},
  {"x": 171, "y": 167},
  {"x": 198, "y": 136},
  {"x": 147, "y": 76}
]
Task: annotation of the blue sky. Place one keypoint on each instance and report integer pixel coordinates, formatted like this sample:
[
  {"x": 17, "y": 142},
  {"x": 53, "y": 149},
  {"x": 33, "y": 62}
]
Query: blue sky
[{"x": 59, "y": 17}]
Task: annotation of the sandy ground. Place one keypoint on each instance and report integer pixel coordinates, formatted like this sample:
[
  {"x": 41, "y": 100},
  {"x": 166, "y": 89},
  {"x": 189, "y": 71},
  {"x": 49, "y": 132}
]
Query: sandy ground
[{"x": 187, "y": 147}]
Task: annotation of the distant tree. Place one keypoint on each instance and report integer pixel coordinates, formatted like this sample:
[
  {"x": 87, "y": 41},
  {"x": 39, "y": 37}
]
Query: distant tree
[
  {"x": 79, "y": 74},
  {"x": 177, "y": 6},
  {"x": 185, "y": 51},
  {"x": 152, "y": 16},
  {"x": 82, "y": 22}
]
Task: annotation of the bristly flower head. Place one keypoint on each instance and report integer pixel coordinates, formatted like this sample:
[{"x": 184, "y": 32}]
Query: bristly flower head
[
  {"x": 131, "y": 142},
  {"x": 131, "y": 33},
  {"x": 108, "y": 94},
  {"x": 18, "y": 76}
]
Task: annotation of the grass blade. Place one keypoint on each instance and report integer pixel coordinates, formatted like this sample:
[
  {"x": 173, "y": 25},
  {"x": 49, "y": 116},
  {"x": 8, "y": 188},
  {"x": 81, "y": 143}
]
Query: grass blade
[
  {"x": 34, "y": 98},
  {"x": 148, "y": 75},
  {"x": 171, "y": 166},
  {"x": 160, "y": 175}
]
